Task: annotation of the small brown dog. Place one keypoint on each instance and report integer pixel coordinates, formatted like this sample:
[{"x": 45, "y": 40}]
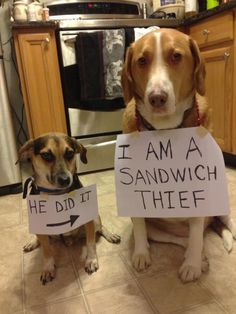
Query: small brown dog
[{"x": 53, "y": 158}]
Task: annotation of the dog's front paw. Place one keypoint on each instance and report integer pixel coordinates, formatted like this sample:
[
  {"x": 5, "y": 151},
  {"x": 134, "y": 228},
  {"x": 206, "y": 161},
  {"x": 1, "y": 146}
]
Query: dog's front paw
[
  {"x": 49, "y": 270},
  {"x": 109, "y": 236},
  {"x": 91, "y": 265},
  {"x": 141, "y": 260},
  {"x": 31, "y": 245},
  {"x": 48, "y": 275},
  {"x": 188, "y": 272},
  {"x": 233, "y": 230},
  {"x": 205, "y": 264},
  {"x": 114, "y": 238}
]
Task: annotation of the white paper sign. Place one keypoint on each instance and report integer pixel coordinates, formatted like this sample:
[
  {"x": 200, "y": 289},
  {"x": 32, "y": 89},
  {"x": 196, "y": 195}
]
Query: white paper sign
[
  {"x": 55, "y": 214},
  {"x": 170, "y": 173}
]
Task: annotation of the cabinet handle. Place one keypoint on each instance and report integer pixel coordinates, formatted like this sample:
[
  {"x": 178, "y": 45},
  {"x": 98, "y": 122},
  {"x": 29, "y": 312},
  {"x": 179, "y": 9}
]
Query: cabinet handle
[
  {"x": 205, "y": 32},
  {"x": 47, "y": 40},
  {"x": 226, "y": 55}
]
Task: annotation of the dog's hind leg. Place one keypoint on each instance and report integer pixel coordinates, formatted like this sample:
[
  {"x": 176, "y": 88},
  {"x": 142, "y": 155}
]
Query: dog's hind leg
[
  {"x": 229, "y": 223},
  {"x": 103, "y": 231},
  {"x": 31, "y": 245},
  {"x": 220, "y": 228},
  {"x": 157, "y": 235}
]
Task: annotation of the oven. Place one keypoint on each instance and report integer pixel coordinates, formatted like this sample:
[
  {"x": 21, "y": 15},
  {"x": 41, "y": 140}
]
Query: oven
[
  {"x": 94, "y": 119},
  {"x": 93, "y": 108}
]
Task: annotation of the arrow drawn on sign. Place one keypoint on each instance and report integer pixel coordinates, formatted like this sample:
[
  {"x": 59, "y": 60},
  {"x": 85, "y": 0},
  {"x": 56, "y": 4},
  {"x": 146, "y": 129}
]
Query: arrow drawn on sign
[{"x": 72, "y": 220}]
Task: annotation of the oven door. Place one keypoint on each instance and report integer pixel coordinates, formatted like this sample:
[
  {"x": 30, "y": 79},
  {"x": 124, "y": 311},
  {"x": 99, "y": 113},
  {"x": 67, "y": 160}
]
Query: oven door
[
  {"x": 98, "y": 131},
  {"x": 86, "y": 123},
  {"x": 91, "y": 69},
  {"x": 95, "y": 124},
  {"x": 100, "y": 153},
  {"x": 87, "y": 117}
]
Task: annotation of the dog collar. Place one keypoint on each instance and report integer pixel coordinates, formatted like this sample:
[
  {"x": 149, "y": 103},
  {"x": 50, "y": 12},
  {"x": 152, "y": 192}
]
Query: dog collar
[
  {"x": 36, "y": 189},
  {"x": 141, "y": 121},
  {"x": 51, "y": 191}
]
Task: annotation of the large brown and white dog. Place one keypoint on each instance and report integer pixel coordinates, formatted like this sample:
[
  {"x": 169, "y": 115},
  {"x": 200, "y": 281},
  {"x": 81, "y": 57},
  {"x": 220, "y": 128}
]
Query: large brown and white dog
[
  {"x": 53, "y": 159},
  {"x": 163, "y": 84}
]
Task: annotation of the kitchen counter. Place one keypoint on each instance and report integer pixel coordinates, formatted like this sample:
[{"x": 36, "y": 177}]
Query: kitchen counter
[
  {"x": 206, "y": 14},
  {"x": 38, "y": 24},
  {"x": 110, "y": 23},
  {"x": 103, "y": 23}
]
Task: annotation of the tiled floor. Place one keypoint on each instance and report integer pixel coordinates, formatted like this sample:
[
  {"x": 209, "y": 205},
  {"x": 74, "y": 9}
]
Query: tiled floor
[{"x": 116, "y": 288}]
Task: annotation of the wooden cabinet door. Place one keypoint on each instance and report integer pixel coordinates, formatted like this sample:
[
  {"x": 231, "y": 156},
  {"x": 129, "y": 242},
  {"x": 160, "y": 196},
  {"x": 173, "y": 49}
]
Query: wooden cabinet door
[
  {"x": 219, "y": 76},
  {"x": 41, "y": 80}
]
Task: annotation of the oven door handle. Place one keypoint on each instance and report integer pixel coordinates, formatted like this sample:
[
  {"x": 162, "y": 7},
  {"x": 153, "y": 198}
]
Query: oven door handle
[
  {"x": 102, "y": 144},
  {"x": 74, "y": 35},
  {"x": 70, "y": 40}
]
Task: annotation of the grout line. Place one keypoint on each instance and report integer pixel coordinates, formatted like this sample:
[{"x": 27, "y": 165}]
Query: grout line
[
  {"x": 53, "y": 302},
  {"x": 195, "y": 306},
  {"x": 119, "y": 284},
  {"x": 79, "y": 283},
  {"x": 23, "y": 282},
  {"x": 146, "y": 296},
  {"x": 210, "y": 294},
  {"x": 21, "y": 211}
]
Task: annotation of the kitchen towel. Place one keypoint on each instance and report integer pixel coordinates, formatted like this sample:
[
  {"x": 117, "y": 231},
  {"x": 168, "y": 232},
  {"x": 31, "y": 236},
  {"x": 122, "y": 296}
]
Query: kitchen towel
[
  {"x": 113, "y": 58},
  {"x": 72, "y": 98},
  {"x": 89, "y": 56}
]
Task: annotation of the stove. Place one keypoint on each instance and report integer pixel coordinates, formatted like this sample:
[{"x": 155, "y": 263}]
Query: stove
[
  {"x": 72, "y": 11},
  {"x": 94, "y": 121}
]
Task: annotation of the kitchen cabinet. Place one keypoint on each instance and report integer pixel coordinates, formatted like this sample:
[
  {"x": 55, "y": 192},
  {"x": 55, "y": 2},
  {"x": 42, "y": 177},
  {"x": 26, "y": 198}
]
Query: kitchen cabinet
[
  {"x": 215, "y": 37},
  {"x": 219, "y": 93},
  {"x": 38, "y": 67}
]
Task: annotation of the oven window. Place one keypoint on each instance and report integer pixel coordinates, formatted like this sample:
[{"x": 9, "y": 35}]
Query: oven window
[
  {"x": 72, "y": 94},
  {"x": 92, "y": 62}
]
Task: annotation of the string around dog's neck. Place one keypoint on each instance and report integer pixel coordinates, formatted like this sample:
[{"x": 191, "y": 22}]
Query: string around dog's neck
[{"x": 141, "y": 121}]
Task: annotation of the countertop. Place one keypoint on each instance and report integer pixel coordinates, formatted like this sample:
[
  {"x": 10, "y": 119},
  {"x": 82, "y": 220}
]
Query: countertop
[
  {"x": 104, "y": 23},
  {"x": 111, "y": 23},
  {"x": 206, "y": 14}
]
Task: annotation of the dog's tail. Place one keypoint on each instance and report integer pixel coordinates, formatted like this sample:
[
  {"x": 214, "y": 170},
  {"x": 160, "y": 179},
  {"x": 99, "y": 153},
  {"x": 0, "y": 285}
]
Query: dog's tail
[{"x": 225, "y": 227}]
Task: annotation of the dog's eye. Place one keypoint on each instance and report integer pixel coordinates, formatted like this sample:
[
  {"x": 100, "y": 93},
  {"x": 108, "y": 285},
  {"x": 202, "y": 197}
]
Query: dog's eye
[
  {"x": 176, "y": 57},
  {"x": 142, "y": 61},
  {"x": 47, "y": 156},
  {"x": 69, "y": 154}
]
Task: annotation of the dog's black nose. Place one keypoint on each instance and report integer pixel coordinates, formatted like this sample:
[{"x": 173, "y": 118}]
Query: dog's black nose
[
  {"x": 63, "y": 180},
  {"x": 158, "y": 100}
]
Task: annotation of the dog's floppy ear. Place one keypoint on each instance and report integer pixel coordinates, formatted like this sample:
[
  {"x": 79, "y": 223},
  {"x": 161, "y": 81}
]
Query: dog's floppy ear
[
  {"x": 83, "y": 153},
  {"x": 126, "y": 76},
  {"x": 78, "y": 148},
  {"x": 26, "y": 151},
  {"x": 199, "y": 72}
]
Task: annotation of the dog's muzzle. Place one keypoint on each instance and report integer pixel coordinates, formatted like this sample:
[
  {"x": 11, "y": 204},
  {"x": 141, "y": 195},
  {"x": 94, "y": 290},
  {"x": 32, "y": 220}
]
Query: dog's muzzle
[
  {"x": 63, "y": 180},
  {"x": 158, "y": 100}
]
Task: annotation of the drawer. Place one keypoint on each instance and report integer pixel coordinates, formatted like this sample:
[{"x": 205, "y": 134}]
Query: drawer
[
  {"x": 100, "y": 153},
  {"x": 215, "y": 30}
]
